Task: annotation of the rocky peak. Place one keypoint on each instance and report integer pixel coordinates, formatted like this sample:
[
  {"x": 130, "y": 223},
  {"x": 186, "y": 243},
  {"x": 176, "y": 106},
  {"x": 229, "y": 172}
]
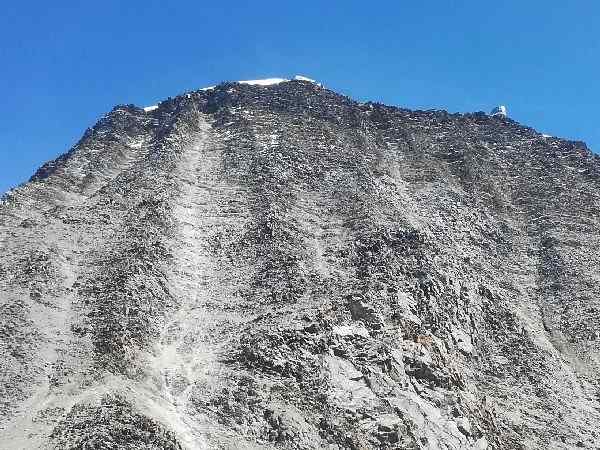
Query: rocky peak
[{"x": 275, "y": 265}]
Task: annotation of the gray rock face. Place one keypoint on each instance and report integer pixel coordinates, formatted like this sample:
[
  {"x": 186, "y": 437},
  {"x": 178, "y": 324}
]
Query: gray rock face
[{"x": 279, "y": 266}]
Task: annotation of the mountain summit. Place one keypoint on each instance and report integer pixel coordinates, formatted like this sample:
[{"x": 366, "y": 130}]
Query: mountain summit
[
  {"x": 256, "y": 266},
  {"x": 499, "y": 111}
]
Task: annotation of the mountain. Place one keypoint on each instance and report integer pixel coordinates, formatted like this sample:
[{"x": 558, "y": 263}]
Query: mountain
[{"x": 274, "y": 265}]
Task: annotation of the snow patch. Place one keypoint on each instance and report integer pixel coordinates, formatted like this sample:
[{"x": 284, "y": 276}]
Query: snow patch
[
  {"x": 303, "y": 78},
  {"x": 268, "y": 82},
  {"x": 272, "y": 81},
  {"x": 310, "y": 80},
  {"x": 499, "y": 110},
  {"x": 150, "y": 108},
  {"x": 546, "y": 135},
  {"x": 265, "y": 82}
]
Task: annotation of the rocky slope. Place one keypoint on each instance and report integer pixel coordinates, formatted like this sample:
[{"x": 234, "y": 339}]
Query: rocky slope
[{"x": 255, "y": 267}]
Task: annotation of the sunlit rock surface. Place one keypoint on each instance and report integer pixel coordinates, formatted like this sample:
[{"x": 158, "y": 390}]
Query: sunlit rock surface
[{"x": 277, "y": 266}]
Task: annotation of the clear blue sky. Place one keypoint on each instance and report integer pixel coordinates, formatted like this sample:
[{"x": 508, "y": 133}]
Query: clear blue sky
[{"x": 65, "y": 63}]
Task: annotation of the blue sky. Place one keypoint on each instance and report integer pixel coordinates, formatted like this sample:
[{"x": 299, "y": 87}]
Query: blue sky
[{"x": 65, "y": 63}]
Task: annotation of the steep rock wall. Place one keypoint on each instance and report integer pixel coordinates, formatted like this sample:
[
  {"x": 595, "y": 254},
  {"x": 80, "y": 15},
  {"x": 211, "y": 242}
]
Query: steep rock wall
[{"x": 282, "y": 267}]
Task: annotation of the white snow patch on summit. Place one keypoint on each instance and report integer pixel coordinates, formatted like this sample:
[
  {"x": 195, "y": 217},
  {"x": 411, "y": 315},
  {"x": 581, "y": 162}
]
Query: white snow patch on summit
[
  {"x": 272, "y": 81},
  {"x": 499, "y": 110},
  {"x": 310, "y": 80},
  {"x": 264, "y": 82},
  {"x": 268, "y": 82},
  {"x": 303, "y": 78}
]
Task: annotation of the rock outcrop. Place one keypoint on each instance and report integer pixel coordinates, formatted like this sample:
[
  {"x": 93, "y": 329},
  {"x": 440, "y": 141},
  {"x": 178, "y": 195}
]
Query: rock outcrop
[{"x": 279, "y": 266}]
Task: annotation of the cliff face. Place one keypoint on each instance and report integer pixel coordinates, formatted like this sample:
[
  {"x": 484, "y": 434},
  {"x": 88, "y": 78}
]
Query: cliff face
[{"x": 281, "y": 267}]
